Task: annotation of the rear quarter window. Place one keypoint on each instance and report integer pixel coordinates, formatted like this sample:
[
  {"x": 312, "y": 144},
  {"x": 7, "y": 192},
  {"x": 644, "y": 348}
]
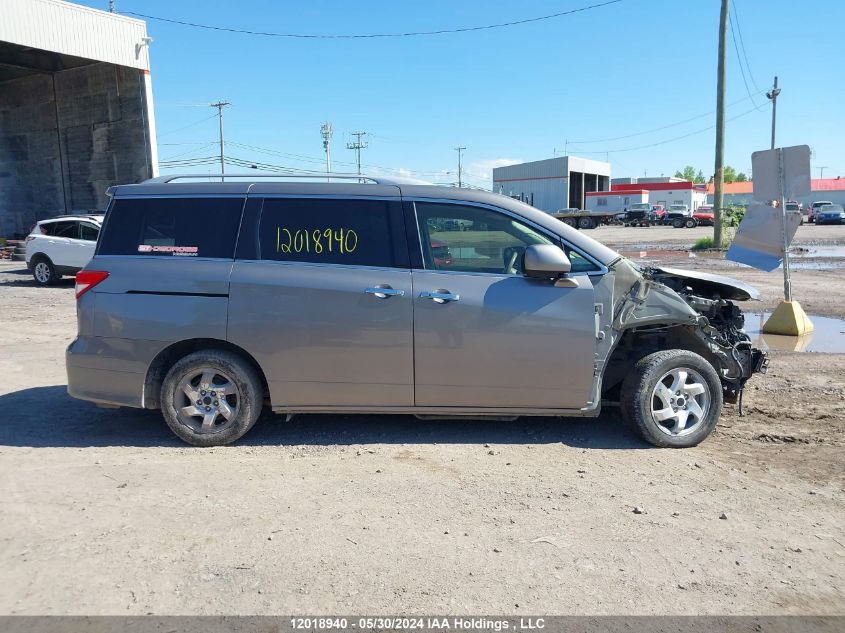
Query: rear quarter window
[
  {"x": 172, "y": 227},
  {"x": 333, "y": 231}
]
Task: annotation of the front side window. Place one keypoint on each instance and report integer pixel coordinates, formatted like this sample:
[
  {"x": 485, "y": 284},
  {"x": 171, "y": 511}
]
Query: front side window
[
  {"x": 333, "y": 231},
  {"x": 172, "y": 227},
  {"x": 472, "y": 239}
]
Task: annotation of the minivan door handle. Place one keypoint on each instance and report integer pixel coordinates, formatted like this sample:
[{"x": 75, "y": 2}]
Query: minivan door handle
[
  {"x": 440, "y": 296},
  {"x": 384, "y": 292}
]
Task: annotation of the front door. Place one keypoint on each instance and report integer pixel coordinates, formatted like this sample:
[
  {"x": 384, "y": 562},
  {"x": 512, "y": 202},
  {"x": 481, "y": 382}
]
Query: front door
[
  {"x": 324, "y": 303},
  {"x": 485, "y": 336}
]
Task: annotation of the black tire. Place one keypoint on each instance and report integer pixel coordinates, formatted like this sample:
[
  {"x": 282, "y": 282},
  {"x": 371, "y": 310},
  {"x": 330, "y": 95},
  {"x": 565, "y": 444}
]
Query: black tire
[
  {"x": 691, "y": 223},
  {"x": 43, "y": 271},
  {"x": 586, "y": 223},
  {"x": 571, "y": 222},
  {"x": 638, "y": 397},
  {"x": 223, "y": 364},
  {"x": 678, "y": 223}
]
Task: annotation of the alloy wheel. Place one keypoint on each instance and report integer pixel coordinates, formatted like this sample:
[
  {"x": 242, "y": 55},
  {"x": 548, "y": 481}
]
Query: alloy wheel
[
  {"x": 207, "y": 401},
  {"x": 680, "y": 401}
]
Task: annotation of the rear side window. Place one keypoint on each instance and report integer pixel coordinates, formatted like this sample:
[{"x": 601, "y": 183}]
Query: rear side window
[
  {"x": 333, "y": 231},
  {"x": 88, "y": 232},
  {"x": 172, "y": 227},
  {"x": 64, "y": 229}
]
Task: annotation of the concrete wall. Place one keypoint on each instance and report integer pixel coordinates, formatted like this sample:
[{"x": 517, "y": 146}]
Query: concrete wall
[{"x": 65, "y": 137}]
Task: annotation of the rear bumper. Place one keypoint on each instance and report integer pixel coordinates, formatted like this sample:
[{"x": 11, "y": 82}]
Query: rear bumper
[{"x": 89, "y": 379}]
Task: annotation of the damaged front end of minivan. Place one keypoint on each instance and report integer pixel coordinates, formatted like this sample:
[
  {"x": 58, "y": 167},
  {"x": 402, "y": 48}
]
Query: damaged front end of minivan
[{"x": 658, "y": 308}]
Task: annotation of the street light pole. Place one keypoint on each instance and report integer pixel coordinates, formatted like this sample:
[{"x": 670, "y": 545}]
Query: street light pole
[
  {"x": 460, "y": 151},
  {"x": 772, "y": 95},
  {"x": 220, "y": 105}
]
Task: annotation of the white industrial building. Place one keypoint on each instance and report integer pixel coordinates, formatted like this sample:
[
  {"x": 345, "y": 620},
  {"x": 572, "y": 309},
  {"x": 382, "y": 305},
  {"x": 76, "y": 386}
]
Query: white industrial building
[
  {"x": 76, "y": 109},
  {"x": 664, "y": 191},
  {"x": 554, "y": 183}
]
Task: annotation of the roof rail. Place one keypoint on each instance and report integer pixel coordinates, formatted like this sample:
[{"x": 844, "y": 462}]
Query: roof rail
[{"x": 378, "y": 180}]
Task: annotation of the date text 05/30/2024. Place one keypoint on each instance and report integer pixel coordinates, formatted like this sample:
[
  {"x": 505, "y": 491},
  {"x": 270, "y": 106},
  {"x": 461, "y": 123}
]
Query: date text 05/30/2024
[{"x": 418, "y": 623}]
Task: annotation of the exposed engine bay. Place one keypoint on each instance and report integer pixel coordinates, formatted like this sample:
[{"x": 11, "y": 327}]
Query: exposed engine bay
[
  {"x": 722, "y": 328},
  {"x": 667, "y": 308}
]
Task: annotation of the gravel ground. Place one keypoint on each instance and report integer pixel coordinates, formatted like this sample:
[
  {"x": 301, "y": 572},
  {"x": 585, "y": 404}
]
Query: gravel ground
[{"x": 104, "y": 512}]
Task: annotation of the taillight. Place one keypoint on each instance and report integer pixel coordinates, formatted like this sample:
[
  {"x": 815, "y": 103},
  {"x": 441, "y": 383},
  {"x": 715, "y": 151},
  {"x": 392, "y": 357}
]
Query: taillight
[{"x": 87, "y": 279}]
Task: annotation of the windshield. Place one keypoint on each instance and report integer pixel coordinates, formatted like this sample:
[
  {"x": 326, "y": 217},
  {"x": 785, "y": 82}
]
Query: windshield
[
  {"x": 831, "y": 208},
  {"x": 640, "y": 207},
  {"x": 792, "y": 206},
  {"x": 678, "y": 207}
]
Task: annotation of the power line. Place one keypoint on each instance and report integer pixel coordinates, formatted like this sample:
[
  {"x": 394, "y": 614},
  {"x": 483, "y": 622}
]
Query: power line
[
  {"x": 328, "y": 36},
  {"x": 189, "y": 125},
  {"x": 739, "y": 61},
  {"x": 651, "y": 131},
  {"x": 742, "y": 45},
  {"x": 191, "y": 151},
  {"x": 670, "y": 140}
]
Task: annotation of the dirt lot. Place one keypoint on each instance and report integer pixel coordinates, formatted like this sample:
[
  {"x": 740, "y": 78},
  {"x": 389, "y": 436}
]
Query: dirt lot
[{"x": 104, "y": 512}]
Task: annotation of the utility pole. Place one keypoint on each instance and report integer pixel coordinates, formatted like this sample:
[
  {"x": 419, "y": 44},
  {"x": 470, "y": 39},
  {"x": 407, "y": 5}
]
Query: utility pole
[
  {"x": 772, "y": 95},
  {"x": 220, "y": 105},
  {"x": 719, "y": 176},
  {"x": 326, "y": 131},
  {"x": 460, "y": 151},
  {"x": 358, "y": 145},
  {"x": 821, "y": 172}
]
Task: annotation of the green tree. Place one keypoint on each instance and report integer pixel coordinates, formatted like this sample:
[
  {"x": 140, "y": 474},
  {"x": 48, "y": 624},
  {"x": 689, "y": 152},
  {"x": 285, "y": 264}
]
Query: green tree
[
  {"x": 690, "y": 174},
  {"x": 740, "y": 177},
  {"x": 687, "y": 174},
  {"x": 730, "y": 174}
]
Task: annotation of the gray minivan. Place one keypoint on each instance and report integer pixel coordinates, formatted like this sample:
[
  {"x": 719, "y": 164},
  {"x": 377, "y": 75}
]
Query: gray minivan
[{"x": 214, "y": 300}]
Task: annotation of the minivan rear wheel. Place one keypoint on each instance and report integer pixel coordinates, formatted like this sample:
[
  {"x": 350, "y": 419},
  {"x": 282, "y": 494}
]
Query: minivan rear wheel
[
  {"x": 211, "y": 398},
  {"x": 673, "y": 398}
]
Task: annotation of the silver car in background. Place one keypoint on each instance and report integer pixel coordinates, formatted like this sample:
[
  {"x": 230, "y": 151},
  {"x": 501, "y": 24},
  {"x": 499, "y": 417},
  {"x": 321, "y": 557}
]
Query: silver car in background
[{"x": 214, "y": 300}]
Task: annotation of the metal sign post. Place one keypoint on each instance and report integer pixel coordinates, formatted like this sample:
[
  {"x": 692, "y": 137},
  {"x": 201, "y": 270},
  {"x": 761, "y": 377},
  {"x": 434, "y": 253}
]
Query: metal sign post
[
  {"x": 763, "y": 237},
  {"x": 787, "y": 279}
]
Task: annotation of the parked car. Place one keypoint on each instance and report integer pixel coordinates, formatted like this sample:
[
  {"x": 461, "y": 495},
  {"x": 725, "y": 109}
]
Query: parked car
[
  {"x": 441, "y": 254},
  {"x": 659, "y": 211},
  {"x": 639, "y": 214},
  {"x": 209, "y": 301},
  {"x": 814, "y": 207},
  {"x": 830, "y": 214},
  {"x": 61, "y": 246},
  {"x": 679, "y": 216},
  {"x": 795, "y": 207},
  {"x": 704, "y": 216}
]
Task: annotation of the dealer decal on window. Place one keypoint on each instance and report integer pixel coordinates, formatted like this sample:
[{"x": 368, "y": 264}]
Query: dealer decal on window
[{"x": 182, "y": 251}]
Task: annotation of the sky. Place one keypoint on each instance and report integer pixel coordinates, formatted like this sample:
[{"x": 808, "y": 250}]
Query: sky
[{"x": 633, "y": 82}]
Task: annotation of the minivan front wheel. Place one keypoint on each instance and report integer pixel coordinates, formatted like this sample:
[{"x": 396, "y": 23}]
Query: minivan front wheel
[
  {"x": 211, "y": 398},
  {"x": 673, "y": 398}
]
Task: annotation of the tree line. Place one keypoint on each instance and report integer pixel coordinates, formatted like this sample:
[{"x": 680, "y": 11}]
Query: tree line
[{"x": 689, "y": 173}]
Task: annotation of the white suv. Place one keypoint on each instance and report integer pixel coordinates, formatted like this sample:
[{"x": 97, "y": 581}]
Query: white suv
[{"x": 61, "y": 246}]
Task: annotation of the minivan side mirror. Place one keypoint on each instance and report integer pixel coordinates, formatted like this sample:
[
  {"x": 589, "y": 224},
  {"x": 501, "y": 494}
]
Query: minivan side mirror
[{"x": 545, "y": 261}]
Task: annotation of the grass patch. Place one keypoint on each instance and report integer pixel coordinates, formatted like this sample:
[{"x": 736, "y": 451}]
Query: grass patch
[{"x": 703, "y": 243}]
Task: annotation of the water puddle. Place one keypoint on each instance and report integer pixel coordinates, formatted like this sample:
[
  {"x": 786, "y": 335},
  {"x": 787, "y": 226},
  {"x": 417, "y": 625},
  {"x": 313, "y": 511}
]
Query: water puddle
[
  {"x": 828, "y": 337},
  {"x": 814, "y": 252},
  {"x": 802, "y": 258}
]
